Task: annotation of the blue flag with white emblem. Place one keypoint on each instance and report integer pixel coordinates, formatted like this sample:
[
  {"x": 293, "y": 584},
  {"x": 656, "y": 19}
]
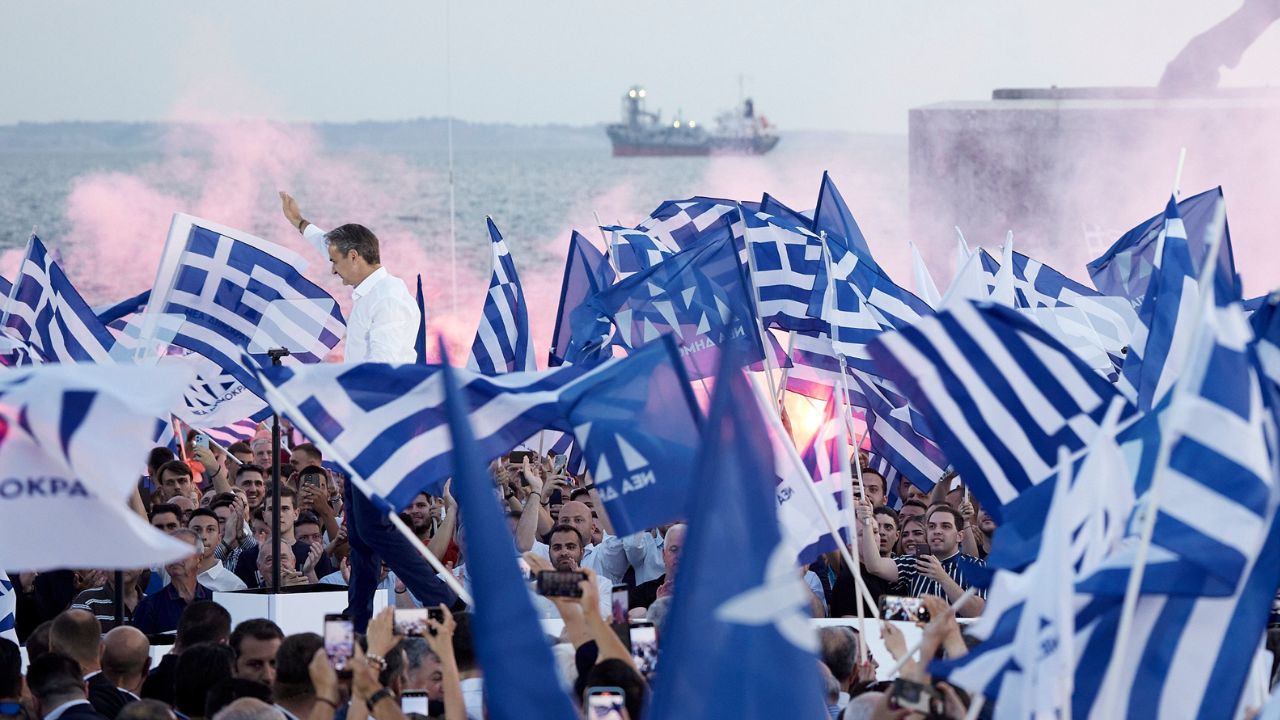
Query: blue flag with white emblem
[
  {"x": 503, "y": 343},
  {"x": 832, "y": 216},
  {"x": 699, "y": 295},
  {"x": 586, "y": 272},
  {"x": 638, "y": 426},
  {"x": 738, "y": 642},
  {"x": 509, "y": 642}
]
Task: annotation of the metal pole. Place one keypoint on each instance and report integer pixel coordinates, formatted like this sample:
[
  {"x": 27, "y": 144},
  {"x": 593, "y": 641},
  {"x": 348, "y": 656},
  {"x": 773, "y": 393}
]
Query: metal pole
[
  {"x": 276, "y": 355},
  {"x": 117, "y": 596}
]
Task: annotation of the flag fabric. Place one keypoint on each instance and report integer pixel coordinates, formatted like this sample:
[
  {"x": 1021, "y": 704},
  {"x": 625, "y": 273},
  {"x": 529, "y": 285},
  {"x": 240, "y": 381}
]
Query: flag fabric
[
  {"x": 969, "y": 283},
  {"x": 5, "y": 287},
  {"x": 8, "y": 609},
  {"x": 227, "y": 293},
  {"x": 638, "y": 426},
  {"x": 739, "y": 642},
  {"x": 1160, "y": 343},
  {"x": 1125, "y": 268},
  {"x": 228, "y": 435},
  {"x": 586, "y": 272},
  {"x": 635, "y": 250},
  {"x": 386, "y": 423},
  {"x": 785, "y": 263},
  {"x": 117, "y": 312},
  {"x": 70, "y": 440},
  {"x": 1038, "y": 285},
  {"x": 682, "y": 224},
  {"x": 771, "y": 205},
  {"x": 215, "y": 397},
  {"x": 831, "y": 215},
  {"x": 503, "y": 342},
  {"x": 700, "y": 295},
  {"x": 998, "y": 393},
  {"x": 1220, "y": 478},
  {"x": 420, "y": 342},
  {"x": 926, "y": 288},
  {"x": 822, "y": 458},
  {"x": 509, "y": 642},
  {"x": 815, "y": 370},
  {"x": 47, "y": 313},
  {"x": 898, "y": 433}
]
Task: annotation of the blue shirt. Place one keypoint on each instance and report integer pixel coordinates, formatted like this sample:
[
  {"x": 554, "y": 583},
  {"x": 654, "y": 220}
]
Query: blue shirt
[{"x": 159, "y": 613}]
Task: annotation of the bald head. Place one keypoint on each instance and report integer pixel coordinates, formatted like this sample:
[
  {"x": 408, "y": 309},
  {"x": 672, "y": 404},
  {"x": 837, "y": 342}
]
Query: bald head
[
  {"x": 126, "y": 657},
  {"x": 77, "y": 634},
  {"x": 578, "y": 516}
]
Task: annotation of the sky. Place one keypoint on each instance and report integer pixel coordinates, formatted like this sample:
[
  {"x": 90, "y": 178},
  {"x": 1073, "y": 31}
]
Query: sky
[{"x": 820, "y": 64}]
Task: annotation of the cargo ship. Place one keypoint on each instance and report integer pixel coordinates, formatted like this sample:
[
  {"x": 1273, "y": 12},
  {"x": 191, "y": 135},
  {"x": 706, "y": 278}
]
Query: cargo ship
[{"x": 644, "y": 133}]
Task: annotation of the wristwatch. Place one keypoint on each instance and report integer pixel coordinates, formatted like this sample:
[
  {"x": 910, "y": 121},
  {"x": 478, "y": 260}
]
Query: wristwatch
[{"x": 378, "y": 697}]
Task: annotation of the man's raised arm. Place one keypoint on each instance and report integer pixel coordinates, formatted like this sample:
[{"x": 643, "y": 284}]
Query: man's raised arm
[{"x": 294, "y": 215}]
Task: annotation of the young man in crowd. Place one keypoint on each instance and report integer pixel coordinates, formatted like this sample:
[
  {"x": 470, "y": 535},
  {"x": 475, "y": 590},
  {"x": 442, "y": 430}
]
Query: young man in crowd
[
  {"x": 176, "y": 480},
  {"x": 213, "y": 574},
  {"x": 255, "y": 644},
  {"x": 165, "y": 517},
  {"x": 100, "y": 600},
  {"x": 201, "y": 622},
  {"x": 252, "y": 480},
  {"x": 941, "y": 572},
  {"x": 58, "y": 687}
]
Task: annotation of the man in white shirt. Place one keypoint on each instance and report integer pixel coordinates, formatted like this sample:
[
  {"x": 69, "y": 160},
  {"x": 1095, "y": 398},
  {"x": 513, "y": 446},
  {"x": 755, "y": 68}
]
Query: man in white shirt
[
  {"x": 383, "y": 323},
  {"x": 382, "y": 327}
]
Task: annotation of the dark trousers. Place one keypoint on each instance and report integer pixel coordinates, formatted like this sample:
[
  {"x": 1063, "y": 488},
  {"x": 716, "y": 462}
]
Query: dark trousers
[{"x": 375, "y": 540}]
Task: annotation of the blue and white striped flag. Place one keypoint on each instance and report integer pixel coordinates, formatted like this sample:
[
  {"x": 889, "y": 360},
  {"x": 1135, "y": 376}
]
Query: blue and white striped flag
[
  {"x": 681, "y": 224},
  {"x": 503, "y": 343},
  {"x": 785, "y": 262},
  {"x": 821, "y": 457},
  {"x": 71, "y": 437},
  {"x": 222, "y": 292},
  {"x": 47, "y": 313},
  {"x": 1161, "y": 340},
  {"x": 999, "y": 394},
  {"x": 634, "y": 251},
  {"x": 8, "y": 609},
  {"x": 386, "y": 423},
  {"x": 898, "y": 433},
  {"x": 815, "y": 371}
]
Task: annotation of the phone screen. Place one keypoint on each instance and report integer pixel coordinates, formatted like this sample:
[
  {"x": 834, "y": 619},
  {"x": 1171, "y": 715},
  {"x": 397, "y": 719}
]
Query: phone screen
[
  {"x": 413, "y": 621},
  {"x": 905, "y": 609},
  {"x": 414, "y": 701},
  {"x": 339, "y": 641},
  {"x": 605, "y": 703},
  {"x": 560, "y": 583},
  {"x": 621, "y": 604},
  {"x": 644, "y": 646}
]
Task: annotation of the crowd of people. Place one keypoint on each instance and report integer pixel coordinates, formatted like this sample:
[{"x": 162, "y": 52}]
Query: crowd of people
[{"x": 83, "y": 648}]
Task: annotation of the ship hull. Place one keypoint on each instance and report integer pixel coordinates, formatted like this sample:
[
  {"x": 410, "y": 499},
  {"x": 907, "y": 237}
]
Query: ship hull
[{"x": 715, "y": 146}]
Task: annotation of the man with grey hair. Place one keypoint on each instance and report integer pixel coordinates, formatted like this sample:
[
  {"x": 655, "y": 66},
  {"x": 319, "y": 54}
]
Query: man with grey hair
[
  {"x": 159, "y": 612},
  {"x": 249, "y": 709},
  {"x": 423, "y": 670},
  {"x": 382, "y": 327}
]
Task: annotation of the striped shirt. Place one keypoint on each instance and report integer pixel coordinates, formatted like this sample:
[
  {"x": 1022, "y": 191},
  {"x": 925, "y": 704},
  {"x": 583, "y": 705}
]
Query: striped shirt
[
  {"x": 101, "y": 602},
  {"x": 916, "y": 584}
]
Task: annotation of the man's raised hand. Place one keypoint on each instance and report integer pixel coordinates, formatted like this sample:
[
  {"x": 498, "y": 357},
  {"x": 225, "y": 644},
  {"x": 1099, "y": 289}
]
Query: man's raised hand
[{"x": 290, "y": 208}]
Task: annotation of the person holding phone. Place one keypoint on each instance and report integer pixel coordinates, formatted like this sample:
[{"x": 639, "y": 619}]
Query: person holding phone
[{"x": 939, "y": 566}]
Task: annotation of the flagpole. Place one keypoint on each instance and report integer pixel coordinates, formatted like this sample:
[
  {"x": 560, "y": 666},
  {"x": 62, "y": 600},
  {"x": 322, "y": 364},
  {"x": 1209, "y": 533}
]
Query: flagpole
[
  {"x": 276, "y": 399},
  {"x": 782, "y": 384},
  {"x": 1129, "y": 608},
  {"x": 448, "y": 103},
  {"x": 1177, "y": 174},
  {"x": 859, "y": 585}
]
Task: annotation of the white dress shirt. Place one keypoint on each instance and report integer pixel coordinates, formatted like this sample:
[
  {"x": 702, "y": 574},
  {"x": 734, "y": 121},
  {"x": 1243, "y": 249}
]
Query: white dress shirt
[
  {"x": 383, "y": 324},
  {"x": 608, "y": 559},
  {"x": 221, "y": 579}
]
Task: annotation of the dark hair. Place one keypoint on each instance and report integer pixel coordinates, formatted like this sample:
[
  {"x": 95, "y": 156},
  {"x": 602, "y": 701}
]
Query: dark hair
[
  {"x": 199, "y": 668},
  {"x": 942, "y": 507},
  {"x": 579, "y": 492},
  {"x": 308, "y": 517},
  {"x": 308, "y": 448},
  {"x": 839, "y": 650},
  {"x": 249, "y": 467},
  {"x": 157, "y": 458},
  {"x": 54, "y": 674},
  {"x": 258, "y": 629},
  {"x": 916, "y": 503},
  {"x": 285, "y": 492},
  {"x": 202, "y": 512},
  {"x": 10, "y": 669},
  {"x": 203, "y": 621},
  {"x": 882, "y": 510},
  {"x": 225, "y": 692},
  {"x": 464, "y": 650},
  {"x": 145, "y": 709},
  {"x": 567, "y": 528},
  {"x": 616, "y": 673},
  {"x": 77, "y": 634},
  {"x": 162, "y": 508},
  {"x": 293, "y": 678},
  {"x": 174, "y": 466},
  {"x": 222, "y": 500},
  {"x": 239, "y": 446},
  {"x": 351, "y": 236},
  {"x": 38, "y": 641}
]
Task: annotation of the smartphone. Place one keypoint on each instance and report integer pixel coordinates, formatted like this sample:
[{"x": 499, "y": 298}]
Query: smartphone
[
  {"x": 620, "y": 601},
  {"x": 414, "y": 701},
  {"x": 911, "y": 695},
  {"x": 605, "y": 703},
  {"x": 560, "y": 583},
  {"x": 413, "y": 621},
  {"x": 905, "y": 609},
  {"x": 644, "y": 646},
  {"x": 559, "y": 462},
  {"x": 201, "y": 440},
  {"x": 312, "y": 478},
  {"x": 339, "y": 643}
]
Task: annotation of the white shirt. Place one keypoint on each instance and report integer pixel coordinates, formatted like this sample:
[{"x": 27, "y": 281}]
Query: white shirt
[
  {"x": 473, "y": 697},
  {"x": 384, "y": 317},
  {"x": 221, "y": 579},
  {"x": 644, "y": 553},
  {"x": 608, "y": 559}
]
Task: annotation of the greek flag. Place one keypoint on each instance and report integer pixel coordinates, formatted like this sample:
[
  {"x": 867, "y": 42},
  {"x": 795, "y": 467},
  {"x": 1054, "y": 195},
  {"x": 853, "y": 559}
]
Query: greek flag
[
  {"x": 47, "y": 313},
  {"x": 115, "y": 313},
  {"x": 386, "y": 423},
  {"x": 775, "y": 207},
  {"x": 785, "y": 262},
  {"x": 503, "y": 343},
  {"x": 586, "y": 272},
  {"x": 898, "y": 433},
  {"x": 228, "y": 293},
  {"x": 1220, "y": 480},
  {"x": 999, "y": 394},
  {"x": 634, "y": 250},
  {"x": 70, "y": 440},
  {"x": 815, "y": 371},
  {"x": 831, "y": 215},
  {"x": 1265, "y": 322},
  {"x": 1162, "y": 338},
  {"x": 8, "y": 609},
  {"x": 682, "y": 224},
  {"x": 1125, "y": 268},
  {"x": 822, "y": 458}
]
